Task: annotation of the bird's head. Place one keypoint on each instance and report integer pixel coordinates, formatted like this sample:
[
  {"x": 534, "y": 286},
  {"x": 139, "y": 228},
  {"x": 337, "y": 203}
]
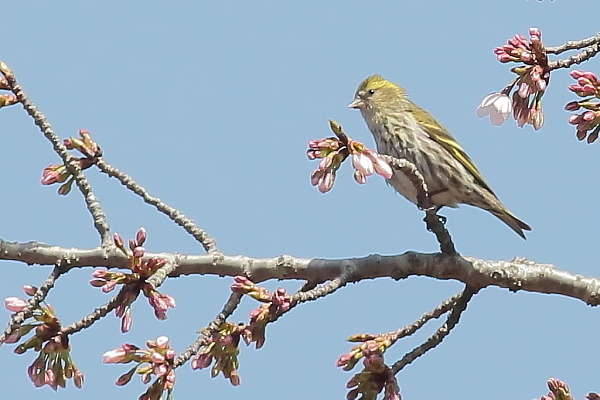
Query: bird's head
[{"x": 377, "y": 92}]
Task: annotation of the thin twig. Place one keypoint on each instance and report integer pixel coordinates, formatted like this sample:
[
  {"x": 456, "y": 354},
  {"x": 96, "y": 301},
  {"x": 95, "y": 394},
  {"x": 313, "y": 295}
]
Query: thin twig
[
  {"x": 161, "y": 274},
  {"x": 582, "y": 56},
  {"x": 33, "y": 303},
  {"x": 155, "y": 280},
  {"x": 459, "y": 306},
  {"x": 209, "y": 244},
  {"x": 69, "y": 161},
  {"x": 302, "y": 295},
  {"x": 574, "y": 45},
  {"x": 228, "y": 309},
  {"x": 323, "y": 290},
  {"x": 433, "y": 314},
  {"x": 94, "y": 316}
]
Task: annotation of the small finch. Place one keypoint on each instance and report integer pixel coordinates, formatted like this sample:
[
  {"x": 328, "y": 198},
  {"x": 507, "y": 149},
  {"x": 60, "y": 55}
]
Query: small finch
[{"x": 404, "y": 130}]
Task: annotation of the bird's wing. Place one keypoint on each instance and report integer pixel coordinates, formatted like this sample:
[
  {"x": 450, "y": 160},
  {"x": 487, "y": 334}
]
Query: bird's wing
[{"x": 447, "y": 141}]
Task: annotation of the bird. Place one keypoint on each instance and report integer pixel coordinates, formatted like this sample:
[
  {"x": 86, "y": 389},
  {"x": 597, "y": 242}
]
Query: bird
[{"x": 402, "y": 129}]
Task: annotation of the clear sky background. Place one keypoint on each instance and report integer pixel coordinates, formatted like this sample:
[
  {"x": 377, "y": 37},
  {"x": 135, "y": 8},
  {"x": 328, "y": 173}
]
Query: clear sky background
[{"x": 210, "y": 106}]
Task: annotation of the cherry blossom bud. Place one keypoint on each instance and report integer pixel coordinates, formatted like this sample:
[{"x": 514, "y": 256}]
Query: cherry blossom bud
[
  {"x": 162, "y": 341},
  {"x": 363, "y": 164},
  {"x": 125, "y": 378},
  {"x": 572, "y": 106},
  {"x": 360, "y": 178},
  {"x": 141, "y": 236},
  {"x": 15, "y": 304},
  {"x": 126, "y": 320},
  {"x": 29, "y": 290},
  {"x": 118, "y": 240},
  {"x": 114, "y": 356},
  {"x": 326, "y": 182}
]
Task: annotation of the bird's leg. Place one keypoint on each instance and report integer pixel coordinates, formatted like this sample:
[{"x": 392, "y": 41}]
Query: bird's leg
[{"x": 435, "y": 223}]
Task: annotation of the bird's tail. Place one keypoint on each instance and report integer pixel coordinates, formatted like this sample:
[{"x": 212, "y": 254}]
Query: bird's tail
[{"x": 509, "y": 219}]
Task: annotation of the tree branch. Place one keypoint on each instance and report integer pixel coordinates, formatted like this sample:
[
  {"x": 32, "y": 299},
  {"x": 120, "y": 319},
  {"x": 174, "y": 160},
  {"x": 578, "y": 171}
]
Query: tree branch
[
  {"x": 91, "y": 202},
  {"x": 209, "y": 244},
  {"x": 516, "y": 274}
]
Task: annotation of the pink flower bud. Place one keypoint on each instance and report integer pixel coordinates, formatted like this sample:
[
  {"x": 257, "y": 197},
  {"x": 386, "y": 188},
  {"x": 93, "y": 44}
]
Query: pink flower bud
[
  {"x": 326, "y": 162},
  {"x": 360, "y": 178},
  {"x": 524, "y": 90},
  {"x": 139, "y": 251},
  {"x": 504, "y": 58},
  {"x": 78, "y": 379},
  {"x": 575, "y": 119},
  {"x": 141, "y": 236},
  {"x": 202, "y": 360},
  {"x": 572, "y": 106},
  {"x": 362, "y": 163},
  {"x": 126, "y": 321},
  {"x": 99, "y": 273},
  {"x": 157, "y": 358},
  {"x": 15, "y": 304},
  {"x": 160, "y": 370},
  {"x": 109, "y": 286},
  {"x": 114, "y": 356},
  {"x": 576, "y": 73},
  {"x": 146, "y": 378},
  {"x": 588, "y": 89},
  {"x": 169, "y": 300},
  {"x": 118, "y": 240},
  {"x": 125, "y": 378},
  {"x": 326, "y": 182},
  {"x": 526, "y": 57},
  {"x": 535, "y": 32},
  {"x": 591, "y": 77},
  {"x": 588, "y": 116},
  {"x": 162, "y": 341},
  {"x": 29, "y": 290},
  {"x": 316, "y": 176},
  {"x": 13, "y": 338},
  {"x": 170, "y": 354}
]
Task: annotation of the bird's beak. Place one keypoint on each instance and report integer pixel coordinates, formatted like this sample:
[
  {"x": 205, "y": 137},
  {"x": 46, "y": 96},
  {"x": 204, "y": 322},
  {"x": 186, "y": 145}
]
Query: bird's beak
[{"x": 357, "y": 103}]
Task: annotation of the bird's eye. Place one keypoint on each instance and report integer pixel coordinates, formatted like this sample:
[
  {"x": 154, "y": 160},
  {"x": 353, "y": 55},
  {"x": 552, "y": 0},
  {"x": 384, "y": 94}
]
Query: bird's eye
[{"x": 371, "y": 91}]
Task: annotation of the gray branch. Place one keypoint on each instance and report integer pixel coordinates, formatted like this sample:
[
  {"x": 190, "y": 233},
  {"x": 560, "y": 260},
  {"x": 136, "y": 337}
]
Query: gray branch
[{"x": 516, "y": 274}]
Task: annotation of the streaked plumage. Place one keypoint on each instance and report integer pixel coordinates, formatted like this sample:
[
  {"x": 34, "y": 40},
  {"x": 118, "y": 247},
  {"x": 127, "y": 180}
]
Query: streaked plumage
[{"x": 403, "y": 130}]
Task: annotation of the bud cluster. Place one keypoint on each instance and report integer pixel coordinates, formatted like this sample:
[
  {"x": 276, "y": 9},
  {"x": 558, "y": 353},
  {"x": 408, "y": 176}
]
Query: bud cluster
[
  {"x": 155, "y": 361},
  {"x": 275, "y": 304},
  {"x": 333, "y": 151},
  {"x": 134, "y": 283},
  {"x": 223, "y": 349},
  {"x": 53, "y": 365},
  {"x": 587, "y": 121},
  {"x": 7, "y": 99},
  {"x": 376, "y": 376},
  {"x": 58, "y": 173},
  {"x": 530, "y": 84}
]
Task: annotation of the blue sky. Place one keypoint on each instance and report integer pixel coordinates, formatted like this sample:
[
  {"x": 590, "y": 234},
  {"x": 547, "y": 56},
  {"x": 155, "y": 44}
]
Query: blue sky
[{"x": 210, "y": 107}]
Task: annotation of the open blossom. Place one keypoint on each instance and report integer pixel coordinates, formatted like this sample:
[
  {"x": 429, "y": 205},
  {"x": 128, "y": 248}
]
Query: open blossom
[
  {"x": 497, "y": 105},
  {"x": 366, "y": 162},
  {"x": 333, "y": 151},
  {"x": 529, "y": 86}
]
